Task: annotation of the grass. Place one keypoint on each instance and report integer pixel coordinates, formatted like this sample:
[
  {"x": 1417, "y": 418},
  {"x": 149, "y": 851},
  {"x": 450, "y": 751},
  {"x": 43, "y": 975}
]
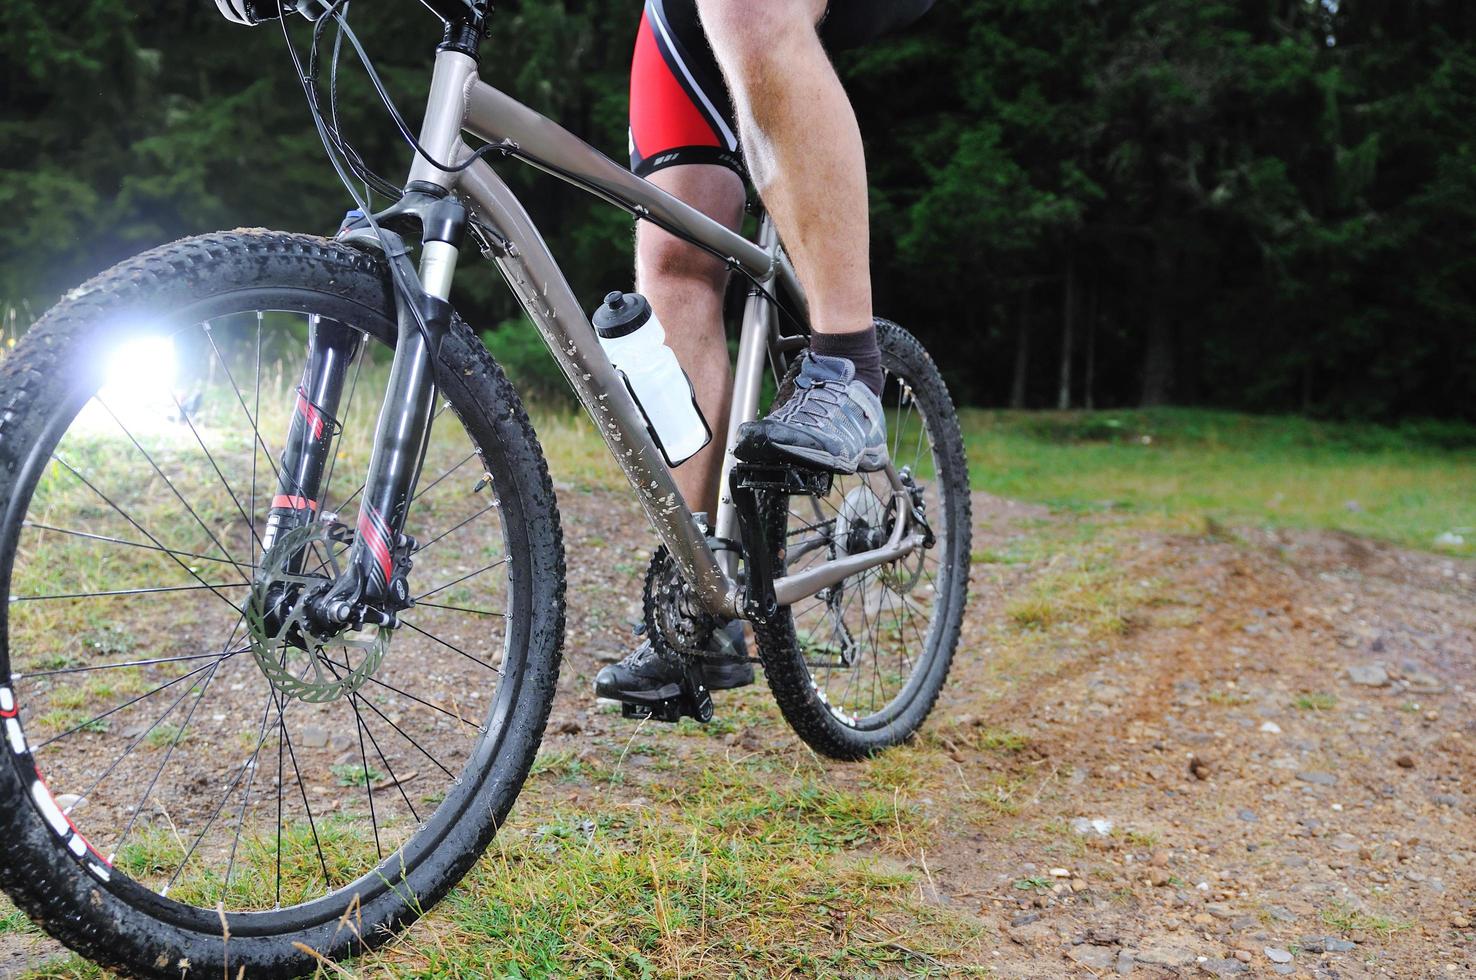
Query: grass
[
  {"x": 1408, "y": 485},
  {"x": 1347, "y": 918},
  {"x": 1314, "y": 701}
]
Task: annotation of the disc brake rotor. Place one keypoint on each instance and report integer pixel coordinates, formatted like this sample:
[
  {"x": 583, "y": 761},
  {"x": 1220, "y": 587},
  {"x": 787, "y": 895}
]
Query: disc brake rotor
[{"x": 298, "y": 663}]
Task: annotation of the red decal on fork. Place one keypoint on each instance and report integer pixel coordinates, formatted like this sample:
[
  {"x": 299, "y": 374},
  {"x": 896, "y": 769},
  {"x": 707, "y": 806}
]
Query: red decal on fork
[
  {"x": 310, "y": 412},
  {"x": 294, "y": 503},
  {"x": 376, "y": 535}
]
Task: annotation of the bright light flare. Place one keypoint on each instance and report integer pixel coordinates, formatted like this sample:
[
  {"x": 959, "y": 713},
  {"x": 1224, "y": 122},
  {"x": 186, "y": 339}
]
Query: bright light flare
[
  {"x": 137, "y": 387},
  {"x": 141, "y": 369}
]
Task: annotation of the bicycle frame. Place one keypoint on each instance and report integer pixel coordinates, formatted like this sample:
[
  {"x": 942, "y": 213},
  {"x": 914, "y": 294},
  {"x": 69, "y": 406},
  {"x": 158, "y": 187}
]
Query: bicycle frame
[{"x": 460, "y": 101}]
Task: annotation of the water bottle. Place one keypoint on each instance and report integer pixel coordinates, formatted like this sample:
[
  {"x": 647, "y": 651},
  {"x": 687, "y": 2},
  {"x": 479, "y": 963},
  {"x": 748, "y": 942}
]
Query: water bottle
[{"x": 636, "y": 344}]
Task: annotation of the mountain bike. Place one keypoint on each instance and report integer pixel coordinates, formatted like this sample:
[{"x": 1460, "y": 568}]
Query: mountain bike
[{"x": 285, "y": 569}]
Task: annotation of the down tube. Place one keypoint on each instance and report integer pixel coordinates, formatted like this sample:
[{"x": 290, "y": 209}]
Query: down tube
[{"x": 530, "y": 270}]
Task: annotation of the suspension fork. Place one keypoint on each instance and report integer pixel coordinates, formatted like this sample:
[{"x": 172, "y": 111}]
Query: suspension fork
[{"x": 374, "y": 586}]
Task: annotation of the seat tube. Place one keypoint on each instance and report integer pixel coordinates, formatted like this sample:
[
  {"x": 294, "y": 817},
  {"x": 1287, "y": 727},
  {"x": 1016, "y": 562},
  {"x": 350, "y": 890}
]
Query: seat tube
[{"x": 748, "y": 383}]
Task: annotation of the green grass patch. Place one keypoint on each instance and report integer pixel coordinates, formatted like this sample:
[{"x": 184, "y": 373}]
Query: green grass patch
[
  {"x": 1410, "y": 485},
  {"x": 1314, "y": 701},
  {"x": 1347, "y": 918}
]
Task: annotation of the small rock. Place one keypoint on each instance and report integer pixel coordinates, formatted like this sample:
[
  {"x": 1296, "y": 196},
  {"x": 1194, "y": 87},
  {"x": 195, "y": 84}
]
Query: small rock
[
  {"x": 1249, "y": 816},
  {"x": 1449, "y": 539},
  {"x": 1270, "y": 728},
  {"x": 1126, "y": 960},
  {"x": 1060, "y": 873},
  {"x": 1345, "y": 842},
  {"x": 1459, "y": 921},
  {"x": 1035, "y": 933},
  {"x": 1422, "y": 683},
  {"x": 1447, "y": 799},
  {"x": 69, "y": 801},
  {"x": 1199, "y": 768},
  {"x": 1243, "y": 955},
  {"x": 1223, "y": 968},
  {"x": 1165, "y": 956},
  {"x": 1024, "y": 919},
  {"x": 1277, "y": 955},
  {"x": 1317, "y": 778},
  {"x": 1159, "y": 877},
  {"x": 1160, "y": 859},
  {"x": 1405, "y": 762},
  {"x": 313, "y": 737},
  {"x": 1077, "y": 885},
  {"x": 1220, "y": 910},
  {"x": 1284, "y": 969},
  {"x": 1368, "y": 675},
  {"x": 1093, "y": 957},
  {"x": 1336, "y": 945},
  {"x": 567, "y": 727}
]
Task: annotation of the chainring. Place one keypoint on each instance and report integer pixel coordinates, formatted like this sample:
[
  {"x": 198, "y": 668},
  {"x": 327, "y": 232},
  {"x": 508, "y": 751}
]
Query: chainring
[
  {"x": 297, "y": 663},
  {"x": 672, "y": 610}
]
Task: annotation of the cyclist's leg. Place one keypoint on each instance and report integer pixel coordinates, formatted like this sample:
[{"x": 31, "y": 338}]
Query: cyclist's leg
[
  {"x": 803, "y": 148},
  {"x": 685, "y": 286},
  {"x": 804, "y": 152},
  {"x": 683, "y": 138}
]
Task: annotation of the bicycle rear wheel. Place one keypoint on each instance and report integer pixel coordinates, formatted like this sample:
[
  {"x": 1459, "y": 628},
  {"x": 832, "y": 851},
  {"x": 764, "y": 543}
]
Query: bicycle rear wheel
[
  {"x": 175, "y": 798},
  {"x": 857, "y": 667}
]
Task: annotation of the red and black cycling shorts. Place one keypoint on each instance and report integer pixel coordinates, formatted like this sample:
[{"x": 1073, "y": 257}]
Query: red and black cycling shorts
[{"x": 679, "y": 106}]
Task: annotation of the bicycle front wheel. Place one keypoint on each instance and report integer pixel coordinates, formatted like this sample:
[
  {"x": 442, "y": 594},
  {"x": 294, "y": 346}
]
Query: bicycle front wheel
[
  {"x": 857, "y": 667},
  {"x": 178, "y": 797}
]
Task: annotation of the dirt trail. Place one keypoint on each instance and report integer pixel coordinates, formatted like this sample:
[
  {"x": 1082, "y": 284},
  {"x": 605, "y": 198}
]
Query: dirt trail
[{"x": 1280, "y": 739}]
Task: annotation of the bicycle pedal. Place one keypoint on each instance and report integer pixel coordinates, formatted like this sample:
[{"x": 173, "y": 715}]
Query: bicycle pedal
[
  {"x": 692, "y": 700},
  {"x": 784, "y": 479}
]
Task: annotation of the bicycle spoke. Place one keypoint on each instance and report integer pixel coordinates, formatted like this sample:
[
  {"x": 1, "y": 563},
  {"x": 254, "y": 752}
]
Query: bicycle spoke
[
  {"x": 135, "y": 544},
  {"x": 143, "y": 530},
  {"x": 307, "y": 807},
  {"x": 240, "y": 399},
  {"x": 167, "y": 482},
  {"x": 474, "y": 612},
  {"x": 255, "y": 763},
  {"x": 111, "y": 593},
  {"x": 449, "y": 646},
  {"x": 436, "y": 482},
  {"x": 458, "y": 527},
  {"x": 132, "y": 701},
  {"x": 168, "y": 754},
  {"x": 127, "y": 663},
  {"x": 458, "y": 581}
]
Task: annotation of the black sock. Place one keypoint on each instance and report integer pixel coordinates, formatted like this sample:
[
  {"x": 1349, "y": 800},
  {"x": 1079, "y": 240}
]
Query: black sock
[{"x": 859, "y": 348}]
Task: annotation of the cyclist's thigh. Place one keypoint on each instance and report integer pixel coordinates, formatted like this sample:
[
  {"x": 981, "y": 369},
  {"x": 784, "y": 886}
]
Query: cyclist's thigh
[
  {"x": 679, "y": 107},
  {"x": 850, "y": 23}
]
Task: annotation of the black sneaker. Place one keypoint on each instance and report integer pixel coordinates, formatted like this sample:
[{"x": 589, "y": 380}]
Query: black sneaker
[
  {"x": 652, "y": 672},
  {"x": 830, "y": 421}
]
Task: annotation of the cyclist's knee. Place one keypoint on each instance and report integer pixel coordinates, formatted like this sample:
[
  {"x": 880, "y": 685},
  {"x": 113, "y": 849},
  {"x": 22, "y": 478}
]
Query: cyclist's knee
[
  {"x": 747, "y": 32},
  {"x": 666, "y": 258}
]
